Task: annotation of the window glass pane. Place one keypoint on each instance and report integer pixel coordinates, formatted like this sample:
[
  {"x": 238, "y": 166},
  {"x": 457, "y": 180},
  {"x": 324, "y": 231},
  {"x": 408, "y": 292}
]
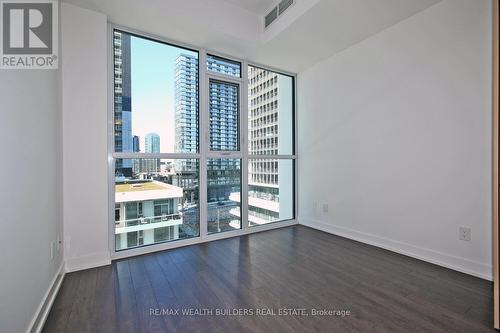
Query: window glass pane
[
  {"x": 223, "y": 66},
  {"x": 224, "y": 116},
  {"x": 270, "y": 190},
  {"x": 158, "y": 202},
  {"x": 224, "y": 194},
  {"x": 270, "y": 112},
  {"x": 155, "y": 97}
]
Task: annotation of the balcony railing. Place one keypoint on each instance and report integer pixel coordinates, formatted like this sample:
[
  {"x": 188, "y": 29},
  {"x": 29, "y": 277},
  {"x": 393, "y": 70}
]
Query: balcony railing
[{"x": 145, "y": 223}]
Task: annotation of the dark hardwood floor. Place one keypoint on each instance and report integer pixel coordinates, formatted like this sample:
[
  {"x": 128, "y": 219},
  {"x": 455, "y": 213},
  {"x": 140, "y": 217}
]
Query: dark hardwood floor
[{"x": 289, "y": 268}]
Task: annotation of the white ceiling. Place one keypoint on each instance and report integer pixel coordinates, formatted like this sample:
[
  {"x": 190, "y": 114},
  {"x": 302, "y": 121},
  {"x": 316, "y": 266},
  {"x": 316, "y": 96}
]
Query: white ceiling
[
  {"x": 332, "y": 26},
  {"x": 259, "y": 7},
  {"x": 310, "y": 30}
]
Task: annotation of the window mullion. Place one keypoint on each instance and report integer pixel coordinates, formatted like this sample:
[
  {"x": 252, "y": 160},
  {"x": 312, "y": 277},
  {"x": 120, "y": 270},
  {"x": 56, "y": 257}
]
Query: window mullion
[
  {"x": 204, "y": 138},
  {"x": 244, "y": 146},
  {"x": 155, "y": 155}
]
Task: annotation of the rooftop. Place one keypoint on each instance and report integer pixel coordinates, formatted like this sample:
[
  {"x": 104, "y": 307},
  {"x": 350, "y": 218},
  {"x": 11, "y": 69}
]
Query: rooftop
[
  {"x": 145, "y": 190},
  {"x": 147, "y": 186}
]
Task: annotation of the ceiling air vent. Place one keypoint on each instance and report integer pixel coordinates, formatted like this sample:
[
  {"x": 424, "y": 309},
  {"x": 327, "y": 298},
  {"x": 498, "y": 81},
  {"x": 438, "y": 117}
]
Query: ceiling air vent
[
  {"x": 271, "y": 16},
  {"x": 277, "y": 11},
  {"x": 283, "y": 5}
]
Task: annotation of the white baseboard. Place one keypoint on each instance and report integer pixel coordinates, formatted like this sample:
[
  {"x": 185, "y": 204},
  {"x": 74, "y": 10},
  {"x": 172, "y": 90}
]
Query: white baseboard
[
  {"x": 463, "y": 265},
  {"x": 43, "y": 309},
  {"x": 89, "y": 261}
]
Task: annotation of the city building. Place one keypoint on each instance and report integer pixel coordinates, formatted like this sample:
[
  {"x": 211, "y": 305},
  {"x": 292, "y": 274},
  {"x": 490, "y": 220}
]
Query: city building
[
  {"x": 136, "y": 144},
  {"x": 186, "y": 107},
  {"x": 123, "y": 101},
  {"x": 268, "y": 93},
  {"x": 223, "y": 66},
  {"x": 223, "y": 174},
  {"x": 146, "y": 212},
  {"x": 224, "y": 127},
  {"x": 224, "y": 118},
  {"x": 136, "y": 163},
  {"x": 151, "y": 145},
  {"x": 186, "y": 124}
]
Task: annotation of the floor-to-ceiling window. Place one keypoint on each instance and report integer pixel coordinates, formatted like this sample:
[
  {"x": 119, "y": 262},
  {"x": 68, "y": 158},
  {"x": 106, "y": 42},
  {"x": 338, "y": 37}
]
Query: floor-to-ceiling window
[
  {"x": 156, "y": 127},
  {"x": 270, "y": 146},
  {"x": 202, "y": 145}
]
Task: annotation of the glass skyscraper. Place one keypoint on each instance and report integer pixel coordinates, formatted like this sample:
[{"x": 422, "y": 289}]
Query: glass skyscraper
[
  {"x": 151, "y": 145},
  {"x": 123, "y": 101},
  {"x": 135, "y": 143},
  {"x": 186, "y": 123},
  {"x": 186, "y": 105},
  {"x": 223, "y": 122}
]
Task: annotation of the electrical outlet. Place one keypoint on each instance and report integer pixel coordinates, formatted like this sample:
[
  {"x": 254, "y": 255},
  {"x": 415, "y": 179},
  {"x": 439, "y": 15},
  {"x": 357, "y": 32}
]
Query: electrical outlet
[
  {"x": 464, "y": 234},
  {"x": 58, "y": 243},
  {"x": 325, "y": 208}
]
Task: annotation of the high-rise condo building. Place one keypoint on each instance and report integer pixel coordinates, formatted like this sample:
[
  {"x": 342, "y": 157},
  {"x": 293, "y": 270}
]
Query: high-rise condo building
[
  {"x": 224, "y": 121},
  {"x": 123, "y": 101},
  {"x": 151, "y": 145},
  {"x": 224, "y": 126},
  {"x": 224, "y": 66},
  {"x": 186, "y": 122},
  {"x": 136, "y": 144},
  {"x": 269, "y": 92},
  {"x": 136, "y": 163},
  {"x": 186, "y": 104}
]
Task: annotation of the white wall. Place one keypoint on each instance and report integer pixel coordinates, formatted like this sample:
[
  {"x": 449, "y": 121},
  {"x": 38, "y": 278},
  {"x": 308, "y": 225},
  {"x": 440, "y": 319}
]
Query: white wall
[
  {"x": 395, "y": 136},
  {"x": 30, "y": 199},
  {"x": 84, "y": 102}
]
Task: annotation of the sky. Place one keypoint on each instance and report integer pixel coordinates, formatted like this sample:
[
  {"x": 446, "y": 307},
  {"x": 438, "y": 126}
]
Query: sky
[{"x": 153, "y": 94}]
